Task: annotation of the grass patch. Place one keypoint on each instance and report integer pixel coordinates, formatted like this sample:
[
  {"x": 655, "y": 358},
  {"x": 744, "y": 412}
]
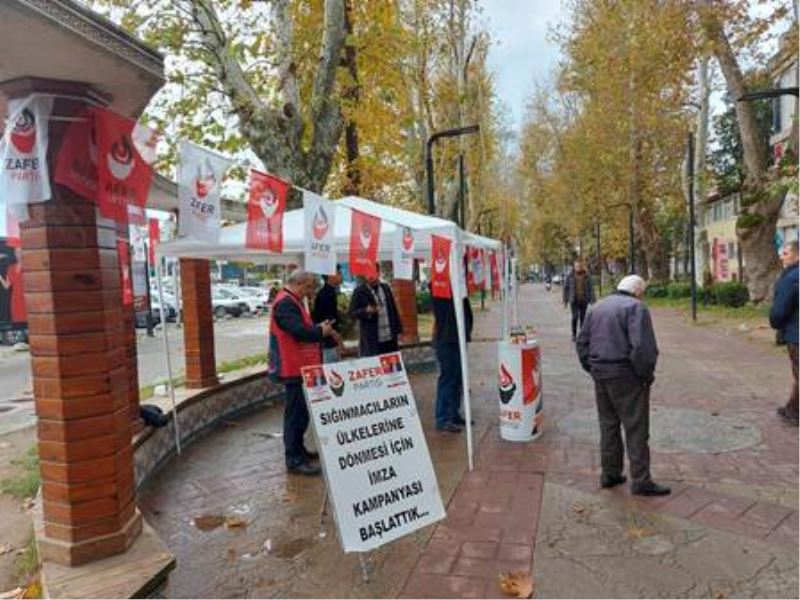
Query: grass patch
[
  {"x": 26, "y": 568},
  {"x": 746, "y": 312},
  {"x": 24, "y": 484}
]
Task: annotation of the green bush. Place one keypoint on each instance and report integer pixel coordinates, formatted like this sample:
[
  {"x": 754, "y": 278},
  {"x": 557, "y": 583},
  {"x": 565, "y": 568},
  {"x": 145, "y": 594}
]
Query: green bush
[
  {"x": 656, "y": 291},
  {"x": 679, "y": 290},
  {"x": 731, "y": 293},
  {"x": 424, "y": 304}
]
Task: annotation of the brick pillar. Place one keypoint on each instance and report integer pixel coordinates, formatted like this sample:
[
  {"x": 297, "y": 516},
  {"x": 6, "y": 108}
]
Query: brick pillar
[
  {"x": 198, "y": 324},
  {"x": 80, "y": 379},
  {"x": 405, "y": 294}
]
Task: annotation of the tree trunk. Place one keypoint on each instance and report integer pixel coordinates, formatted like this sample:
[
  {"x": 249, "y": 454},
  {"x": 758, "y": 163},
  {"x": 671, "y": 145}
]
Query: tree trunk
[
  {"x": 352, "y": 95},
  {"x": 760, "y": 207}
]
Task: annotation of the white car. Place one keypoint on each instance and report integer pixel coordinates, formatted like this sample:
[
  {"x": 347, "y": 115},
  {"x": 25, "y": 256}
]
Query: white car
[
  {"x": 260, "y": 296},
  {"x": 224, "y": 302}
]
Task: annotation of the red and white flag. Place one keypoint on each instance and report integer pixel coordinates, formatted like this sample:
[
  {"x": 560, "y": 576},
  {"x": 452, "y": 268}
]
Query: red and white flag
[
  {"x": 365, "y": 235},
  {"x": 23, "y": 155},
  {"x": 266, "y": 205},
  {"x": 76, "y": 163},
  {"x": 123, "y": 175},
  {"x": 403, "y": 258},
  {"x": 319, "y": 216},
  {"x": 440, "y": 267},
  {"x": 494, "y": 270},
  {"x": 124, "y": 258},
  {"x": 199, "y": 189},
  {"x": 476, "y": 277},
  {"x": 154, "y": 235}
]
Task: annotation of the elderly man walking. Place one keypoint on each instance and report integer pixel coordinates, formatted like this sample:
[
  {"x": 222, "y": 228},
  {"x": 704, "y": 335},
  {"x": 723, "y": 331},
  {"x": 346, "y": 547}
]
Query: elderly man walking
[
  {"x": 617, "y": 346},
  {"x": 783, "y": 316},
  {"x": 578, "y": 295},
  {"x": 294, "y": 343}
]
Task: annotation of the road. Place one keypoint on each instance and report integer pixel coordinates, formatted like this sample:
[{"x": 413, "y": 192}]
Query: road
[{"x": 248, "y": 333}]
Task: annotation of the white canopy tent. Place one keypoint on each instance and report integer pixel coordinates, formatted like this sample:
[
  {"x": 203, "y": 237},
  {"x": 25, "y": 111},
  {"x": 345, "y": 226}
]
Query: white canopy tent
[{"x": 231, "y": 246}]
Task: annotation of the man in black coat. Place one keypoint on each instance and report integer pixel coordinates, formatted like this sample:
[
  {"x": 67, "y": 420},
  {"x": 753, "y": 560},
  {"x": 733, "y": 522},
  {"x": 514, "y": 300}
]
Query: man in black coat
[
  {"x": 379, "y": 323},
  {"x": 783, "y": 316},
  {"x": 617, "y": 346},
  {"x": 326, "y": 308},
  {"x": 449, "y": 389}
]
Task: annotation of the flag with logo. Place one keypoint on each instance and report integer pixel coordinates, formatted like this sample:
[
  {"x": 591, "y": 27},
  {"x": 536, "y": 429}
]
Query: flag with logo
[
  {"x": 476, "y": 277},
  {"x": 124, "y": 258},
  {"x": 199, "y": 189},
  {"x": 440, "y": 267},
  {"x": 319, "y": 247},
  {"x": 365, "y": 234},
  {"x": 23, "y": 150},
  {"x": 266, "y": 205},
  {"x": 403, "y": 258},
  {"x": 76, "y": 163},
  {"x": 494, "y": 271},
  {"x": 123, "y": 176},
  {"x": 154, "y": 236}
]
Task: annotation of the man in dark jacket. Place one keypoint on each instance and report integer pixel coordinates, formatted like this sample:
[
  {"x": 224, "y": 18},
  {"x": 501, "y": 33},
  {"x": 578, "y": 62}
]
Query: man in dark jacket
[
  {"x": 326, "y": 308},
  {"x": 294, "y": 343},
  {"x": 378, "y": 319},
  {"x": 784, "y": 318},
  {"x": 617, "y": 346},
  {"x": 449, "y": 390},
  {"x": 578, "y": 295}
]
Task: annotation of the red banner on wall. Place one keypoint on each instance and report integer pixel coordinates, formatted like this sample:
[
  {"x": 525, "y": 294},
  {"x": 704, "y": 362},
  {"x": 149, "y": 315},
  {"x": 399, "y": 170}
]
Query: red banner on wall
[
  {"x": 265, "y": 207},
  {"x": 440, "y": 267},
  {"x": 365, "y": 234}
]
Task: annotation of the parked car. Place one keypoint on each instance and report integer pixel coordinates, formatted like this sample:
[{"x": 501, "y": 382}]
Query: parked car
[
  {"x": 224, "y": 302},
  {"x": 259, "y": 294},
  {"x": 249, "y": 303},
  {"x": 170, "y": 311}
]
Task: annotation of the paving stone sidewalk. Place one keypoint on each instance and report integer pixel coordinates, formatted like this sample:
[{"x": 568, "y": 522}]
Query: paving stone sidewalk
[{"x": 716, "y": 440}]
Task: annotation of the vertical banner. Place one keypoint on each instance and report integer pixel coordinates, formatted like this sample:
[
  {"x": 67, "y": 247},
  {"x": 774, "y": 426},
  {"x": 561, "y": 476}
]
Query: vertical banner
[
  {"x": 199, "y": 189},
  {"x": 76, "y": 163},
  {"x": 319, "y": 219},
  {"x": 266, "y": 205},
  {"x": 403, "y": 257},
  {"x": 476, "y": 273},
  {"x": 124, "y": 258},
  {"x": 154, "y": 237},
  {"x": 378, "y": 470},
  {"x": 138, "y": 269},
  {"x": 23, "y": 151},
  {"x": 494, "y": 271},
  {"x": 365, "y": 235},
  {"x": 440, "y": 267},
  {"x": 123, "y": 175}
]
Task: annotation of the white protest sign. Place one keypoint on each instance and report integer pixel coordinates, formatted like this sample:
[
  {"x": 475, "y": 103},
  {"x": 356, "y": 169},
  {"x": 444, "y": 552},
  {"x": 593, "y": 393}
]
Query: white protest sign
[
  {"x": 403, "y": 256},
  {"x": 380, "y": 478},
  {"x": 319, "y": 220}
]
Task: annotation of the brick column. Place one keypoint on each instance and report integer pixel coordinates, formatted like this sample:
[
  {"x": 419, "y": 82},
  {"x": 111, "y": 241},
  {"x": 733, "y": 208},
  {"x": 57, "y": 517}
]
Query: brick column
[
  {"x": 198, "y": 324},
  {"x": 80, "y": 377},
  {"x": 405, "y": 294}
]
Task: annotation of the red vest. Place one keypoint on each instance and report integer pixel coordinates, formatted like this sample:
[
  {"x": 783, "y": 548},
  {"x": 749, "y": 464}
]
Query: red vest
[{"x": 292, "y": 354}]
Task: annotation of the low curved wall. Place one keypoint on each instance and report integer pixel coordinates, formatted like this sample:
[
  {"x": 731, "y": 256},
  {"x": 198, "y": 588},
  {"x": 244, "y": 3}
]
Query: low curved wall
[{"x": 201, "y": 412}]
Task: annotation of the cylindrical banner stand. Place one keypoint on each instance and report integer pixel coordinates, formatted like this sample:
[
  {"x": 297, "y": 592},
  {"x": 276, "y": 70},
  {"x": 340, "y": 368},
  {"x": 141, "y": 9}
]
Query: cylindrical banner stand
[{"x": 520, "y": 386}]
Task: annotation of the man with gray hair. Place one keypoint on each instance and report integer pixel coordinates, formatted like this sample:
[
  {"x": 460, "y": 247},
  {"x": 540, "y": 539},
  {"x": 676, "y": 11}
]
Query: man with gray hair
[
  {"x": 617, "y": 346},
  {"x": 783, "y": 316},
  {"x": 294, "y": 343}
]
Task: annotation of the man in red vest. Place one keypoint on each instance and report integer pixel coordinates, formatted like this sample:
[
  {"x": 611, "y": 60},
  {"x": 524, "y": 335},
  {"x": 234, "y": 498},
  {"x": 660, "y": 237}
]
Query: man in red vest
[{"x": 295, "y": 342}]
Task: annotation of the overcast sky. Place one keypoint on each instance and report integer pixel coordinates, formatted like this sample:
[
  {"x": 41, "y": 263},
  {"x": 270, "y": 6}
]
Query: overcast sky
[{"x": 521, "y": 53}]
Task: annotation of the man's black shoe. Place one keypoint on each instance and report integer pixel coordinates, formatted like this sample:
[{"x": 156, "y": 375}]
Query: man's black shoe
[
  {"x": 650, "y": 489},
  {"x": 459, "y": 420},
  {"x": 451, "y": 427},
  {"x": 787, "y": 416},
  {"x": 609, "y": 481},
  {"x": 306, "y": 469}
]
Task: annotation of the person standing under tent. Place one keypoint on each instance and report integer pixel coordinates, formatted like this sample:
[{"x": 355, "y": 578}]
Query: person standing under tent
[
  {"x": 379, "y": 323},
  {"x": 13, "y": 283},
  {"x": 449, "y": 388},
  {"x": 295, "y": 342},
  {"x": 326, "y": 308},
  {"x": 783, "y": 317},
  {"x": 578, "y": 295},
  {"x": 617, "y": 347}
]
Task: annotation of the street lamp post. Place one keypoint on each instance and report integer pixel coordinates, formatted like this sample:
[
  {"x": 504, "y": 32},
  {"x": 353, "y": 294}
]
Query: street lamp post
[
  {"x": 631, "y": 253},
  {"x": 458, "y": 131},
  {"x": 693, "y": 267}
]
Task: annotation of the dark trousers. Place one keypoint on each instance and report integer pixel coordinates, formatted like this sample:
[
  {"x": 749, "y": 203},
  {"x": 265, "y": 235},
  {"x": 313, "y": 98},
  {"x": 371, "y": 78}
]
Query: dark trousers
[
  {"x": 295, "y": 423},
  {"x": 448, "y": 386},
  {"x": 386, "y": 347},
  {"x": 627, "y": 402},
  {"x": 578, "y": 314},
  {"x": 791, "y": 406}
]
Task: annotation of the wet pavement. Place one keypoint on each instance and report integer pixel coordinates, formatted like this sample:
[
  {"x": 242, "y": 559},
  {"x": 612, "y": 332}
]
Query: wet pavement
[{"x": 728, "y": 530}]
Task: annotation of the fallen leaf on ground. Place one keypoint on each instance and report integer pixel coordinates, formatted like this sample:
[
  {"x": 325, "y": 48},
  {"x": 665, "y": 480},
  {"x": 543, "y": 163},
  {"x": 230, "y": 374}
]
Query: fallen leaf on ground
[
  {"x": 33, "y": 589},
  {"x": 208, "y": 522},
  {"x": 638, "y": 533},
  {"x": 718, "y": 595},
  {"x": 5, "y": 549},
  {"x": 578, "y": 508},
  {"x": 15, "y": 593},
  {"x": 517, "y": 584},
  {"x": 231, "y": 522}
]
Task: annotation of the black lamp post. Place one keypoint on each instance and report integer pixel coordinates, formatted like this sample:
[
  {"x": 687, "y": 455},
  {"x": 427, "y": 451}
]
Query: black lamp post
[
  {"x": 458, "y": 131},
  {"x": 692, "y": 266}
]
